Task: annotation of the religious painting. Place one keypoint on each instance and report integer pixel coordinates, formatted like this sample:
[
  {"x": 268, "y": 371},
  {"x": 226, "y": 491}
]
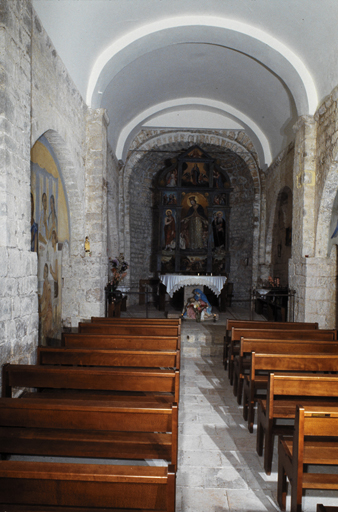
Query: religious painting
[
  {"x": 167, "y": 264},
  {"x": 49, "y": 230},
  {"x": 169, "y": 198},
  {"x": 194, "y": 222},
  {"x": 169, "y": 230},
  {"x": 220, "y": 199},
  {"x": 218, "y": 230},
  {"x": 193, "y": 264},
  {"x": 195, "y": 174},
  {"x": 218, "y": 264},
  {"x": 217, "y": 179}
]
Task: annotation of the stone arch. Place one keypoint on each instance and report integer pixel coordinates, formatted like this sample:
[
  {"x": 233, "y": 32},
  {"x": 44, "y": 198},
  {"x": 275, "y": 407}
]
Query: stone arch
[
  {"x": 279, "y": 231},
  {"x": 152, "y": 142},
  {"x": 71, "y": 177},
  {"x": 73, "y": 181}
]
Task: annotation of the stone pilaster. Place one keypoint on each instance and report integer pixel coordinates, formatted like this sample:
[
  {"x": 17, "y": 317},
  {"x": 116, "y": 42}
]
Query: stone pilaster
[
  {"x": 303, "y": 221},
  {"x": 304, "y": 187},
  {"x": 95, "y": 267},
  {"x": 311, "y": 277},
  {"x": 18, "y": 268}
]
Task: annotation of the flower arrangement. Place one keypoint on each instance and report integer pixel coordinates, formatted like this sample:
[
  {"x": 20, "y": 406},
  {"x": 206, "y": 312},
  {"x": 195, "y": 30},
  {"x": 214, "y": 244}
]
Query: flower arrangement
[{"x": 118, "y": 267}]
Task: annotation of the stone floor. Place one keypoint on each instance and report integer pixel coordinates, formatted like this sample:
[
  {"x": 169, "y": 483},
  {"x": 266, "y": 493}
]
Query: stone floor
[{"x": 218, "y": 467}]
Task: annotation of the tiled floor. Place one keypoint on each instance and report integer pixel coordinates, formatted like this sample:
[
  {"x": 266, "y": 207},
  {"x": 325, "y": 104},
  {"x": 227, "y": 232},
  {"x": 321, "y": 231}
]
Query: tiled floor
[{"x": 218, "y": 468}]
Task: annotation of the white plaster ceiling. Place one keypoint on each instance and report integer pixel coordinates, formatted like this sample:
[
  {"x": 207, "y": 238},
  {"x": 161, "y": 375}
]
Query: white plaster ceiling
[{"x": 258, "y": 64}]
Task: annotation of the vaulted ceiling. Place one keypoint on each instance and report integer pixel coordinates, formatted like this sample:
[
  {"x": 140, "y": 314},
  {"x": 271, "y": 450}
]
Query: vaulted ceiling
[{"x": 222, "y": 64}]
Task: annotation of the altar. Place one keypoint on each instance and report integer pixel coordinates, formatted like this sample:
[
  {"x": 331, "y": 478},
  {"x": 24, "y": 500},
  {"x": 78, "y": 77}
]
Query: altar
[
  {"x": 171, "y": 283},
  {"x": 174, "y": 282}
]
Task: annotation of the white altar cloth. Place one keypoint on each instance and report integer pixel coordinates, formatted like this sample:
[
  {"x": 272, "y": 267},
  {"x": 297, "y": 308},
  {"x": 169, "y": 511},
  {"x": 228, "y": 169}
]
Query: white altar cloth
[{"x": 174, "y": 282}]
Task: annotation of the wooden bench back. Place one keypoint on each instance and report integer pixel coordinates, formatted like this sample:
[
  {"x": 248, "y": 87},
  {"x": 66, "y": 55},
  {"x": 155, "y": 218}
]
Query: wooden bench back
[
  {"x": 257, "y": 324},
  {"x": 294, "y": 363},
  {"x": 314, "y": 334},
  {"x": 130, "y": 329},
  {"x": 286, "y": 384},
  {"x": 119, "y": 341},
  {"x": 287, "y": 346},
  {"x": 108, "y": 357},
  {"x": 85, "y": 486},
  {"x": 87, "y": 415},
  {"x": 316, "y": 421},
  {"x": 80, "y": 428},
  {"x": 91, "y": 378},
  {"x": 139, "y": 321}
]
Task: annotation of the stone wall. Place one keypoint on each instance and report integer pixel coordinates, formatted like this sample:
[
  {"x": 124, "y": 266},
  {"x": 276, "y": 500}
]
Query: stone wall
[
  {"x": 241, "y": 234},
  {"x": 327, "y": 143},
  {"x": 18, "y": 268},
  {"x": 327, "y": 170},
  {"x": 58, "y": 112},
  {"x": 279, "y": 178},
  {"x": 113, "y": 170},
  {"x": 39, "y": 98},
  {"x": 78, "y": 136},
  {"x": 312, "y": 269}
]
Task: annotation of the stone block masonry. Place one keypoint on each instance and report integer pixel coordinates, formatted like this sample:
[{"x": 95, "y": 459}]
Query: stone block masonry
[{"x": 18, "y": 265}]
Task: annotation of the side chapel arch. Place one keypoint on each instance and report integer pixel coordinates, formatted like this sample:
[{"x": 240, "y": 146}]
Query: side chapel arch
[{"x": 53, "y": 176}]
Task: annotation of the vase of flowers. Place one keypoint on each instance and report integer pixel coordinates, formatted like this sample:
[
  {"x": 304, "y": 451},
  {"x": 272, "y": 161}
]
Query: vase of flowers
[{"x": 118, "y": 270}]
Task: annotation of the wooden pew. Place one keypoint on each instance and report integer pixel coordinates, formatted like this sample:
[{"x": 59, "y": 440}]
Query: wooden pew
[
  {"x": 284, "y": 392},
  {"x": 53, "y": 487},
  {"x": 242, "y": 361},
  {"x": 133, "y": 320},
  {"x": 119, "y": 341},
  {"x": 89, "y": 379},
  {"x": 130, "y": 329},
  {"x": 325, "y": 508},
  {"x": 287, "y": 334},
  {"x": 314, "y": 442},
  {"x": 79, "y": 428},
  {"x": 108, "y": 357},
  {"x": 252, "y": 384},
  {"x": 258, "y": 324}
]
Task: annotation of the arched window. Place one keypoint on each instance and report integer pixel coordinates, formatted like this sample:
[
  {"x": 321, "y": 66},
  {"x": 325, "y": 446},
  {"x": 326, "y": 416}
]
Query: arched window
[{"x": 194, "y": 211}]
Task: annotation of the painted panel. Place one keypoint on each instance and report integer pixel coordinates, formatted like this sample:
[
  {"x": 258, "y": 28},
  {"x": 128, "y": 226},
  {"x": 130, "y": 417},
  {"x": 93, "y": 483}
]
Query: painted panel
[
  {"x": 169, "y": 230},
  {"x": 49, "y": 231},
  {"x": 194, "y": 224}
]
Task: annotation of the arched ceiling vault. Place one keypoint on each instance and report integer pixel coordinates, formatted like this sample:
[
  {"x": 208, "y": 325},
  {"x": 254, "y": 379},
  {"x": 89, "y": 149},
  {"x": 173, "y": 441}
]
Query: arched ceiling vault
[{"x": 254, "y": 65}]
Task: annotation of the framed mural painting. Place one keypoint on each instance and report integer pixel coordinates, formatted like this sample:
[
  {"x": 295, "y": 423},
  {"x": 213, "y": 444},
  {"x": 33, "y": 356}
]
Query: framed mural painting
[{"x": 49, "y": 232}]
